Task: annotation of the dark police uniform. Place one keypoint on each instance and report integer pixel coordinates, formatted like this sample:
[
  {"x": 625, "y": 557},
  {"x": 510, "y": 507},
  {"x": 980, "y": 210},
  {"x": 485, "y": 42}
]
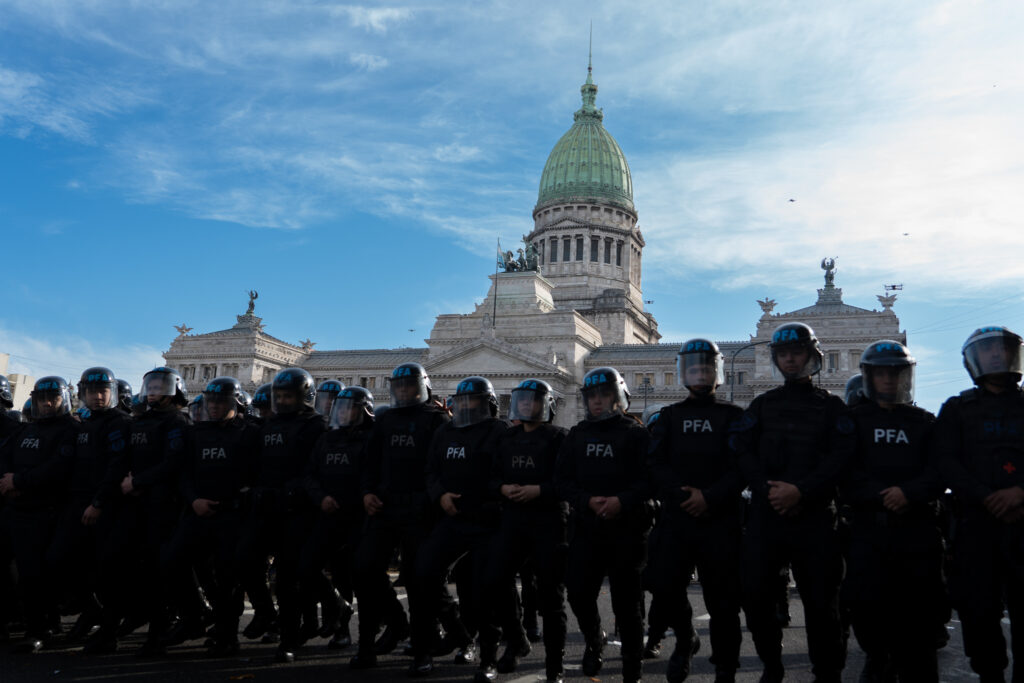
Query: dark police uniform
[
  {"x": 39, "y": 457},
  {"x": 334, "y": 470},
  {"x": 534, "y": 531},
  {"x": 690, "y": 447},
  {"x": 8, "y": 427},
  {"x": 607, "y": 458},
  {"x": 145, "y": 519},
  {"x": 894, "y": 590},
  {"x": 100, "y": 442},
  {"x": 396, "y": 459},
  {"x": 792, "y": 433},
  {"x": 980, "y": 439},
  {"x": 280, "y": 518},
  {"x": 218, "y": 461},
  {"x": 460, "y": 460}
]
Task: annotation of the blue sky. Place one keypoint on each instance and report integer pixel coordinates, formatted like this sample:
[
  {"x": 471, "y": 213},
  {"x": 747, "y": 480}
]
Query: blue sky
[{"x": 356, "y": 163}]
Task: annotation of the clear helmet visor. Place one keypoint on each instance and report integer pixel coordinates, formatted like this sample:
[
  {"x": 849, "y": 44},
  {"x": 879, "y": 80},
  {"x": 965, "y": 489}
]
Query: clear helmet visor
[
  {"x": 285, "y": 401},
  {"x": 888, "y": 383},
  {"x": 527, "y": 405},
  {"x": 408, "y": 391},
  {"x": 993, "y": 355},
  {"x": 795, "y": 361},
  {"x": 470, "y": 409},
  {"x": 347, "y": 412},
  {"x": 603, "y": 401},
  {"x": 700, "y": 370},
  {"x": 97, "y": 395},
  {"x": 324, "y": 401},
  {"x": 49, "y": 403},
  {"x": 157, "y": 384},
  {"x": 217, "y": 407}
]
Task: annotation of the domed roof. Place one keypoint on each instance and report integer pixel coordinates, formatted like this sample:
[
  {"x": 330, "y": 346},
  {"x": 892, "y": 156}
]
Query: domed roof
[{"x": 586, "y": 163}]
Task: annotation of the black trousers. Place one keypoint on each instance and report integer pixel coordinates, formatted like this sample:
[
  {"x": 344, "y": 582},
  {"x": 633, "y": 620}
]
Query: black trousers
[
  {"x": 712, "y": 547},
  {"x": 810, "y": 545},
  {"x": 988, "y": 572},
  {"x": 130, "y": 580},
  {"x": 211, "y": 540},
  {"x": 28, "y": 533},
  {"x": 454, "y": 539},
  {"x": 543, "y": 544},
  {"x": 402, "y": 528},
  {"x": 73, "y": 558},
  {"x": 331, "y": 545},
  {"x": 616, "y": 549},
  {"x": 275, "y": 530}
]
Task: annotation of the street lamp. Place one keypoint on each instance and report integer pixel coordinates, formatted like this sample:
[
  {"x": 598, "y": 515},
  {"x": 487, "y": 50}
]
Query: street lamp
[
  {"x": 645, "y": 389},
  {"x": 732, "y": 364}
]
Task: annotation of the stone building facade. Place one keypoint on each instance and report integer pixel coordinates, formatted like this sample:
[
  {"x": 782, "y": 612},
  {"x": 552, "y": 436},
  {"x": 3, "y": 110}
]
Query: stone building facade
[{"x": 581, "y": 308}]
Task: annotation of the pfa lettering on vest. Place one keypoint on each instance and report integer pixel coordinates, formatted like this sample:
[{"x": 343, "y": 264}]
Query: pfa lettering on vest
[
  {"x": 891, "y": 436},
  {"x": 273, "y": 439},
  {"x": 29, "y": 443},
  {"x": 690, "y": 426},
  {"x": 403, "y": 440},
  {"x": 455, "y": 453},
  {"x": 523, "y": 461},
  {"x": 214, "y": 454},
  {"x": 600, "y": 450},
  {"x": 337, "y": 459}
]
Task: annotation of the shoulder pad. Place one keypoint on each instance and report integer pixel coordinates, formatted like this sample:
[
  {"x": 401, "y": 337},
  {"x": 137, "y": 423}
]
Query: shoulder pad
[
  {"x": 745, "y": 422},
  {"x": 845, "y": 425},
  {"x": 969, "y": 394}
]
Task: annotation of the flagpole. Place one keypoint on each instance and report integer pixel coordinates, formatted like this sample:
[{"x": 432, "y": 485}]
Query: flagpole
[{"x": 494, "y": 314}]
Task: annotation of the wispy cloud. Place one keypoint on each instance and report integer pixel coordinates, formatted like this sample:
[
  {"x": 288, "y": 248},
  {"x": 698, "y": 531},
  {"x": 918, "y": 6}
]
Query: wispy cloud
[
  {"x": 368, "y": 62},
  {"x": 69, "y": 356}
]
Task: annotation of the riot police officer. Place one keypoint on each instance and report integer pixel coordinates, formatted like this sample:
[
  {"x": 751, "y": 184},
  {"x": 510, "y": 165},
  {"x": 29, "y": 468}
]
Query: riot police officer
[
  {"x": 261, "y": 401},
  {"x": 33, "y": 480},
  {"x": 148, "y": 510},
  {"x": 218, "y": 463},
  {"x": 325, "y": 395},
  {"x": 8, "y": 425},
  {"x": 533, "y": 524},
  {"x": 601, "y": 472},
  {"x": 786, "y": 444},
  {"x": 395, "y": 498},
  {"x": 698, "y": 484},
  {"x": 280, "y": 516},
  {"x": 981, "y": 455},
  {"x": 124, "y": 396},
  {"x": 332, "y": 482},
  {"x": 459, "y": 466},
  {"x": 894, "y": 554},
  {"x": 86, "y": 517},
  {"x": 854, "y": 390}
]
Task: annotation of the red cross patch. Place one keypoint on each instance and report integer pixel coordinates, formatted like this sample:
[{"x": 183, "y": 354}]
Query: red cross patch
[{"x": 1010, "y": 469}]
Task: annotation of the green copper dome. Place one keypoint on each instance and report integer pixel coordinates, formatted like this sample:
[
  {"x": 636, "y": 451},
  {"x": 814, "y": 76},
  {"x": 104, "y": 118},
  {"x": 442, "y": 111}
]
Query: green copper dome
[{"x": 587, "y": 164}]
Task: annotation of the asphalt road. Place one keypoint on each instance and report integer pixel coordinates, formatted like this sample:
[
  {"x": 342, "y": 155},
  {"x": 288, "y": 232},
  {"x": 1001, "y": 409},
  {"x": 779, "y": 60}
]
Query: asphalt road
[{"x": 316, "y": 663}]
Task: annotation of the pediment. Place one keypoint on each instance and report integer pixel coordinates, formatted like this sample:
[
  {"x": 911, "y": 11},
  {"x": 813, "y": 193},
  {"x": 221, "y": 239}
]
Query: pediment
[{"x": 489, "y": 357}]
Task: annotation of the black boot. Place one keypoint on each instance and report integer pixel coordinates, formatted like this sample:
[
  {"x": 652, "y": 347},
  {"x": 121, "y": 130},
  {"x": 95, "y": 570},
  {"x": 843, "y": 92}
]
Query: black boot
[
  {"x": 592, "y": 659},
  {"x": 510, "y": 657},
  {"x": 681, "y": 659}
]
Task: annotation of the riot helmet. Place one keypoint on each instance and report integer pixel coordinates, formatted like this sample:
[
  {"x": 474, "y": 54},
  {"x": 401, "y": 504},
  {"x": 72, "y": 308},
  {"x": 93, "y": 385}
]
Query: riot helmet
[
  {"x": 6, "y": 396},
  {"x": 292, "y": 390},
  {"x": 993, "y": 354},
  {"x": 163, "y": 382},
  {"x": 604, "y": 394},
  {"x": 124, "y": 395},
  {"x": 247, "y": 408},
  {"x": 97, "y": 389},
  {"x": 854, "y": 392},
  {"x": 138, "y": 406},
  {"x": 50, "y": 397},
  {"x": 699, "y": 367},
  {"x": 887, "y": 369},
  {"x": 222, "y": 397},
  {"x": 195, "y": 409},
  {"x": 26, "y": 411},
  {"x": 474, "y": 401},
  {"x": 410, "y": 385},
  {"x": 795, "y": 351},
  {"x": 652, "y": 414},
  {"x": 352, "y": 406},
  {"x": 16, "y": 415},
  {"x": 261, "y": 402},
  {"x": 325, "y": 395},
  {"x": 532, "y": 401}
]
